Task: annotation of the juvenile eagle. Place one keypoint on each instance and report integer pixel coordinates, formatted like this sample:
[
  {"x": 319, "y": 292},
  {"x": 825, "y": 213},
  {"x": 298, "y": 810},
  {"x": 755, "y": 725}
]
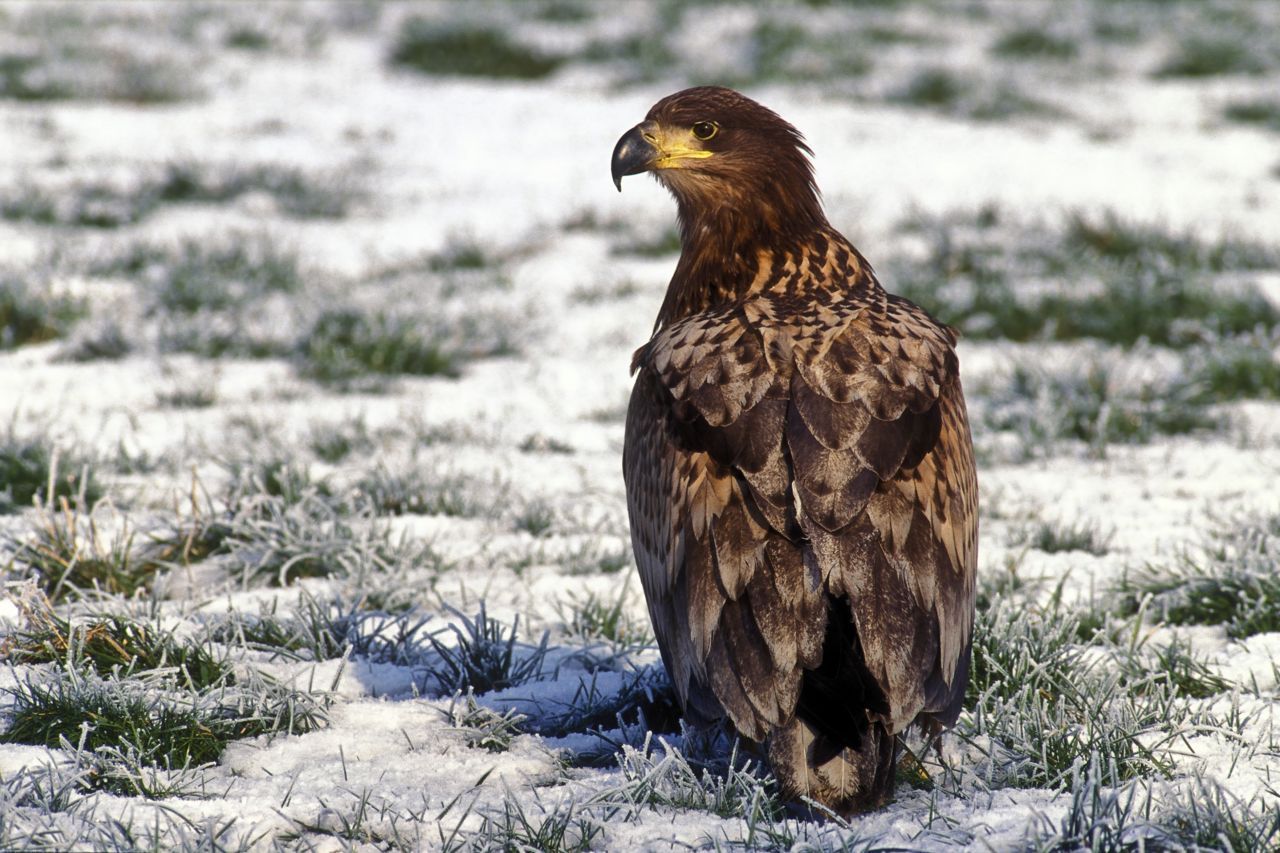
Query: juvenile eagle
[{"x": 799, "y": 470}]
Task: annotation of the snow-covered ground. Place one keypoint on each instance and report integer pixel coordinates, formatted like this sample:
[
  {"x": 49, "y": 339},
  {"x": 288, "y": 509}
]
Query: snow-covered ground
[{"x": 159, "y": 158}]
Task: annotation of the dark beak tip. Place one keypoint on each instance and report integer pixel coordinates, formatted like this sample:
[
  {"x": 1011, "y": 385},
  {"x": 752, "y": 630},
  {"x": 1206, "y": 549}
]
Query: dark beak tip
[{"x": 631, "y": 156}]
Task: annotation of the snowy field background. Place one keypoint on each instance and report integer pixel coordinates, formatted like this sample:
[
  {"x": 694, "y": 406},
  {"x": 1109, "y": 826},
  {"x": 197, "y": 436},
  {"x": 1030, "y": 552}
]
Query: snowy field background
[{"x": 315, "y": 322}]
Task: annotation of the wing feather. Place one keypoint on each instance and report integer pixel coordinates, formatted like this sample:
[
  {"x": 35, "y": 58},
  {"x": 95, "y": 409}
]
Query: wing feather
[{"x": 784, "y": 450}]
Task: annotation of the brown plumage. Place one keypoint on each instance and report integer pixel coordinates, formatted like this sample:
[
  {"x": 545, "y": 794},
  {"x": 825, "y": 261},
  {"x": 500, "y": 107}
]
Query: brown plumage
[{"x": 799, "y": 470}]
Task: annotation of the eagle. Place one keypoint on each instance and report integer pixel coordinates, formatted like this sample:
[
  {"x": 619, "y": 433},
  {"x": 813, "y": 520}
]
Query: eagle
[{"x": 799, "y": 471}]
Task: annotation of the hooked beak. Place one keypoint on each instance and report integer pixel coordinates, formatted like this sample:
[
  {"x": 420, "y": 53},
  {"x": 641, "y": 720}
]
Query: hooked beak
[{"x": 634, "y": 153}]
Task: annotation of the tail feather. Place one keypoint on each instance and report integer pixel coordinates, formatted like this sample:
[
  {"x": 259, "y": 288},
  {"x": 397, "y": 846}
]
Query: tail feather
[{"x": 850, "y": 781}]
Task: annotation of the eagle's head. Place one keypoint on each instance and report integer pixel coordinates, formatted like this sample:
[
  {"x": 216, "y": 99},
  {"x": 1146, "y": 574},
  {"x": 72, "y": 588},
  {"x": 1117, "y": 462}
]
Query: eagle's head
[{"x": 719, "y": 151}]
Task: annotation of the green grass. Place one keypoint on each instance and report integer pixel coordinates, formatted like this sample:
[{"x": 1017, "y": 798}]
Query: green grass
[
  {"x": 325, "y": 629},
  {"x": 274, "y": 475},
  {"x": 416, "y": 490},
  {"x": 645, "y": 702},
  {"x": 47, "y": 713},
  {"x": 660, "y": 245},
  {"x": 30, "y": 465},
  {"x": 91, "y": 72},
  {"x": 1119, "y": 240},
  {"x": 1259, "y": 112},
  {"x": 670, "y": 781},
  {"x": 247, "y": 37},
  {"x": 196, "y": 275},
  {"x": 202, "y": 394},
  {"x": 346, "y": 345},
  {"x": 215, "y": 296},
  {"x": 276, "y": 541},
  {"x": 483, "y": 657},
  {"x": 1230, "y": 580},
  {"x": 539, "y": 443},
  {"x": 1107, "y": 278},
  {"x": 1176, "y": 665},
  {"x": 462, "y": 253},
  {"x": 98, "y": 203},
  {"x": 565, "y": 828},
  {"x": 115, "y": 720},
  {"x": 1011, "y": 650},
  {"x": 30, "y": 313},
  {"x": 596, "y": 617},
  {"x": 1031, "y": 42},
  {"x": 932, "y": 87},
  {"x": 1236, "y": 369},
  {"x": 965, "y": 96},
  {"x": 70, "y": 555},
  {"x": 484, "y": 728},
  {"x": 115, "y": 644},
  {"x": 1210, "y": 55},
  {"x": 1065, "y": 536},
  {"x": 98, "y": 341},
  {"x": 296, "y": 192},
  {"x": 778, "y": 51},
  {"x": 1049, "y": 709},
  {"x": 536, "y": 517},
  {"x": 333, "y": 442},
  {"x": 1205, "y": 816},
  {"x": 1090, "y": 402},
  {"x": 277, "y": 636},
  {"x": 433, "y": 47}
]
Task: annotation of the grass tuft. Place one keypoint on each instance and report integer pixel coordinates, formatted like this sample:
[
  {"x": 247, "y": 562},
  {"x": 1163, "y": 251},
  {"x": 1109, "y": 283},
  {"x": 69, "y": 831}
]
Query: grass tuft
[
  {"x": 1230, "y": 581},
  {"x": 115, "y": 719},
  {"x": 279, "y": 541},
  {"x": 537, "y": 518},
  {"x": 34, "y": 472},
  {"x": 1206, "y": 816},
  {"x": 1034, "y": 43},
  {"x": 461, "y": 253},
  {"x": 595, "y": 617},
  {"x": 345, "y": 345},
  {"x": 198, "y": 275},
  {"x": 1046, "y": 709},
  {"x": 1105, "y": 278},
  {"x": 30, "y": 314},
  {"x": 1092, "y": 403},
  {"x": 671, "y": 781},
  {"x": 563, "y": 829},
  {"x": 98, "y": 715},
  {"x": 1212, "y": 55},
  {"x": 69, "y": 553},
  {"x": 321, "y": 630},
  {"x": 1174, "y": 664},
  {"x": 417, "y": 490},
  {"x": 1245, "y": 367},
  {"x": 484, "y": 656},
  {"x": 113, "y": 644},
  {"x": 484, "y": 728},
  {"x": 662, "y": 244},
  {"x": 102, "y": 203},
  {"x": 334, "y": 441},
  {"x": 468, "y": 51},
  {"x": 932, "y": 87},
  {"x": 1260, "y": 112},
  {"x": 94, "y": 72},
  {"x": 1057, "y": 537}
]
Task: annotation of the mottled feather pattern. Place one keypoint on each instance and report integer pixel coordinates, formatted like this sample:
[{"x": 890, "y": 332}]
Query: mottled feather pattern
[{"x": 855, "y": 381}]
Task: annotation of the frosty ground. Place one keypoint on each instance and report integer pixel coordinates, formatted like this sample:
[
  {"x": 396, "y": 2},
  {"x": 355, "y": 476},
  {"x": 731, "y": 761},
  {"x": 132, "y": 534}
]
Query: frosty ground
[{"x": 315, "y": 325}]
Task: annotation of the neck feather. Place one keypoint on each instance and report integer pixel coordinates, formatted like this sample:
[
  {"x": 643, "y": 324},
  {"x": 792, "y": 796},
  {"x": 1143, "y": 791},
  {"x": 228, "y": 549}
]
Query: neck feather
[{"x": 724, "y": 240}]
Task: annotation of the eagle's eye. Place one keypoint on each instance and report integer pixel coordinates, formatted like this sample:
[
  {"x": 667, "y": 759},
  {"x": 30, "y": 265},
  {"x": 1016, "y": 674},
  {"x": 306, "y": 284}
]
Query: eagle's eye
[{"x": 704, "y": 130}]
